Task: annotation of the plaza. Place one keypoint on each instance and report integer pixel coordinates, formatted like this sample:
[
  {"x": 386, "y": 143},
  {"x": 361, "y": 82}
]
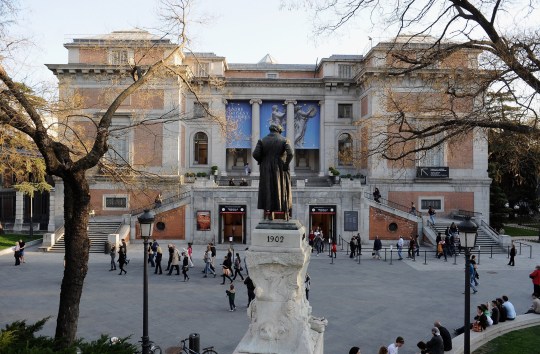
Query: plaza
[{"x": 367, "y": 303}]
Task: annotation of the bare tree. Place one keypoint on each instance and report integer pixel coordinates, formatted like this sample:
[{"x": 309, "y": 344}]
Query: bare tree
[
  {"x": 70, "y": 154},
  {"x": 502, "y": 34}
]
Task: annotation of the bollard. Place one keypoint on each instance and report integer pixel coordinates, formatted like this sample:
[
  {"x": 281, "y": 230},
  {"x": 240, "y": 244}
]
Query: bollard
[
  {"x": 359, "y": 258},
  {"x": 391, "y": 253},
  {"x": 455, "y": 258},
  {"x": 478, "y": 255},
  {"x": 195, "y": 342},
  {"x": 425, "y": 257},
  {"x": 491, "y": 252},
  {"x": 520, "y": 248}
]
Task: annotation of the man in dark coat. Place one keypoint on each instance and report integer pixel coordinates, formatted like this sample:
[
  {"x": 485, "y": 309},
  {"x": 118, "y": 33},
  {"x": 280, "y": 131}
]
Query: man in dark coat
[
  {"x": 434, "y": 345},
  {"x": 274, "y": 153},
  {"x": 445, "y": 335}
]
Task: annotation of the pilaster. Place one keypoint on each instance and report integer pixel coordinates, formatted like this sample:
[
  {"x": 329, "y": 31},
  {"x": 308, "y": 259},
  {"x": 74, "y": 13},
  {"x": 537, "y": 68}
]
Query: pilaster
[
  {"x": 19, "y": 211},
  {"x": 322, "y": 160},
  {"x": 290, "y": 130},
  {"x": 255, "y": 133}
]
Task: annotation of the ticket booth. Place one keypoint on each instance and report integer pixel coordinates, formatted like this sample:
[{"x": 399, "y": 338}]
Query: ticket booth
[{"x": 232, "y": 221}]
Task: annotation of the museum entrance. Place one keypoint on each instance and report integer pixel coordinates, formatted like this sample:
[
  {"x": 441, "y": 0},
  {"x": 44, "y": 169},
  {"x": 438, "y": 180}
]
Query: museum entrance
[
  {"x": 232, "y": 221},
  {"x": 323, "y": 217}
]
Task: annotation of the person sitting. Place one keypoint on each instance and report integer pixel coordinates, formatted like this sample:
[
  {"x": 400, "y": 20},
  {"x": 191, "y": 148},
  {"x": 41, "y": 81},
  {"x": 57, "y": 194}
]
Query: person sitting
[
  {"x": 231, "y": 182},
  {"x": 535, "y": 307},
  {"x": 479, "y": 325},
  {"x": 377, "y": 195},
  {"x": 243, "y": 182}
]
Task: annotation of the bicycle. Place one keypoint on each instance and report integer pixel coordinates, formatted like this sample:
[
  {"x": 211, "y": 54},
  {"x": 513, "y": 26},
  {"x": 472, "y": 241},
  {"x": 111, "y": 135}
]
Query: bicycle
[{"x": 185, "y": 349}]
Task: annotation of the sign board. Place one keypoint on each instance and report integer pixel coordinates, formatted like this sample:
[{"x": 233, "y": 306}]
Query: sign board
[
  {"x": 350, "y": 220},
  {"x": 322, "y": 209},
  {"x": 237, "y": 209},
  {"x": 432, "y": 172}
]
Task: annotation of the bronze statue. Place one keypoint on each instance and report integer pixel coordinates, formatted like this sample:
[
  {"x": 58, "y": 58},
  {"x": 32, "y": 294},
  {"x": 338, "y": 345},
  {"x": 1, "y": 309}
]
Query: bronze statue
[{"x": 274, "y": 153}]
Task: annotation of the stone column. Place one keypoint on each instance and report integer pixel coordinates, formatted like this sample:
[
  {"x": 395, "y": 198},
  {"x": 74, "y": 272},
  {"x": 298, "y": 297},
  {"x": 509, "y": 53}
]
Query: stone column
[
  {"x": 52, "y": 209},
  {"x": 322, "y": 166},
  {"x": 19, "y": 211},
  {"x": 223, "y": 168},
  {"x": 290, "y": 129},
  {"x": 280, "y": 315},
  {"x": 255, "y": 133}
]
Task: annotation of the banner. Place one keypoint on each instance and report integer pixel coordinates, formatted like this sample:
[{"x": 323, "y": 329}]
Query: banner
[
  {"x": 238, "y": 115},
  {"x": 273, "y": 112},
  {"x": 307, "y": 125}
]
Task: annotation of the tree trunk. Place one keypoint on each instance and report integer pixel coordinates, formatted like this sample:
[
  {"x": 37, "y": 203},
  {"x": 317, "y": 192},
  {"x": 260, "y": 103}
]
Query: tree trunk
[{"x": 77, "y": 247}]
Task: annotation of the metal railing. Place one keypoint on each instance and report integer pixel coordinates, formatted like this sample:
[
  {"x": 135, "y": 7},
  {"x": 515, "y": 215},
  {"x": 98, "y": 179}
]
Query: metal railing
[
  {"x": 169, "y": 200},
  {"x": 468, "y": 213},
  {"x": 524, "y": 245},
  {"x": 391, "y": 204}
]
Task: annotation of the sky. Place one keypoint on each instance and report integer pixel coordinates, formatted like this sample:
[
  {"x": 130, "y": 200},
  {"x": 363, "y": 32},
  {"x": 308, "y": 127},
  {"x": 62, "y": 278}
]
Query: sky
[{"x": 243, "y": 31}]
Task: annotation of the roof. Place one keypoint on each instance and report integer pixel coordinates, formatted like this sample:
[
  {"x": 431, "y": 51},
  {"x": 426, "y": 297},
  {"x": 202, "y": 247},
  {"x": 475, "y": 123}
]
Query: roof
[{"x": 133, "y": 35}]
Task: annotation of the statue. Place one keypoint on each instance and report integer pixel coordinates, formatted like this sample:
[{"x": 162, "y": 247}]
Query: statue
[{"x": 274, "y": 153}]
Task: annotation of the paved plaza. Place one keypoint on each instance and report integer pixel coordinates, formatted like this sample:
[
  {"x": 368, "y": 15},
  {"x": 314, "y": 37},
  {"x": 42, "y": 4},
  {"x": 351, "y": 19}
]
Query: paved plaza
[{"x": 367, "y": 304}]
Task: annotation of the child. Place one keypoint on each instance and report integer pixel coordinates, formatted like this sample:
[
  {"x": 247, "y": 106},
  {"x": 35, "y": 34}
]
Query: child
[{"x": 230, "y": 293}]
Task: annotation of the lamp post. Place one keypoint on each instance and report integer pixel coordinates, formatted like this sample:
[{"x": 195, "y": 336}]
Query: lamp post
[
  {"x": 146, "y": 221},
  {"x": 468, "y": 229}
]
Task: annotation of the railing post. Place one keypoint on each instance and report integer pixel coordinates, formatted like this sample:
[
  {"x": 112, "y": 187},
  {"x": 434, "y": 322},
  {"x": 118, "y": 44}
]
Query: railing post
[
  {"x": 508, "y": 252},
  {"x": 478, "y": 255},
  {"x": 530, "y": 251},
  {"x": 425, "y": 257},
  {"x": 391, "y": 253},
  {"x": 455, "y": 258},
  {"x": 519, "y": 248}
]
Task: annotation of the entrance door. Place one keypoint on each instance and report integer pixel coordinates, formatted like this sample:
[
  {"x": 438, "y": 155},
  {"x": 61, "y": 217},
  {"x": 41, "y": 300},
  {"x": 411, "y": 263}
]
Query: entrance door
[
  {"x": 325, "y": 218},
  {"x": 232, "y": 224}
]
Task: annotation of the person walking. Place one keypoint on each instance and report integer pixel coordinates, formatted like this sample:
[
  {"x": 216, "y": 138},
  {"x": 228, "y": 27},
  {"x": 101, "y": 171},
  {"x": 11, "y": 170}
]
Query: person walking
[
  {"x": 334, "y": 249},
  {"x": 250, "y": 289},
  {"x": 150, "y": 254},
  {"x": 231, "y": 294},
  {"x": 394, "y": 347},
  {"x": 400, "y": 248},
  {"x": 512, "y": 255},
  {"x": 411, "y": 252},
  {"x": 190, "y": 254},
  {"x": 155, "y": 245},
  {"x": 185, "y": 265},
  {"x": 431, "y": 213},
  {"x": 377, "y": 246},
  {"x": 170, "y": 248},
  {"x": 417, "y": 246},
  {"x": 22, "y": 244},
  {"x": 535, "y": 277},
  {"x": 113, "y": 257},
  {"x": 226, "y": 268},
  {"x": 122, "y": 260},
  {"x": 473, "y": 281},
  {"x": 175, "y": 261},
  {"x": 124, "y": 245},
  {"x": 207, "y": 264},
  {"x": 238, "y": 267},
  {"x": 159, "y": 257},
  {"x": 413, "y": 209},
  {"x": 353, "y": 246},
  {"x": 307, "y": 284},
  {"x": 17, "y": 253}
]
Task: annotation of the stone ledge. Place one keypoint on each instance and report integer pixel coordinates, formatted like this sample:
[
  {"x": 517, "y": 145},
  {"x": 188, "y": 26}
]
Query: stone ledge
[{"x": 478, "y": 339}]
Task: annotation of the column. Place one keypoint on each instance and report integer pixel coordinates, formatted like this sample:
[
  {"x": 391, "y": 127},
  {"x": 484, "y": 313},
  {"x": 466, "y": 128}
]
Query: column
[
  {"x": 19, "y": 211},
  {"x": 290, "y": 129},
  {"x": 255, "y": 133},
  {"x": 223, "y": 163},
  {"x": 322, "y": 150},
  {"x": 52, "y": 209}
]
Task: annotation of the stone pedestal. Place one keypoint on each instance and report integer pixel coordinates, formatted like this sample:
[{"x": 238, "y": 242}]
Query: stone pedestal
[{"x": 281, "y": 320}]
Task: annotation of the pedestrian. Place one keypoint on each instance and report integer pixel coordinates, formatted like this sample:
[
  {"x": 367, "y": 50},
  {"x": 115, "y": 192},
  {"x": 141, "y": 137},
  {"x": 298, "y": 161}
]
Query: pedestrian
[
  {"x": 307, "y": 285},
  {"x": 509, "y": 307},
  {"x": 431, "y": 213},
  {"x": 400, "y": 248},
  {"x": 213, "y": 253},
  {"x": 231, "y": 294},
  {"x": 238, "y": 267},
  {"x": 535, "y": 306},
  {"x": 190, "y": 253},
  {"x": 394, "y": 347},
  {"x": 473, "y": 281},
  {"x": 175, "y": 261},
  {"x": 226, "y": 269},
  {"x": 411, "y": 252},
  {"x": 122, "y": 260},
  {"x": 383, "y": 350},
  {"x": 535, "y": 277},
  {"x": 512, "y": 255},
  {"x": 207, "y": 263},
  {"x": 150, "y": 254},
  {"x": 158, "y": 201},
  {"x": 435, "y": 345},
  {"x": 475, "y": 278},
  {"x": 17, "y": 253},
  {"x": 250, "y": 289},
  {"x": 358, "y": 244},
  {"x": 377, "y": 246},
  {"x": 247, "y": 169},
  {"x": 155, "y": 245},
  {"x": 334, "y": 249},
  {"x": 171, "y": 252},
  {"x": 159, "y": 257},
  {"x": 113, "y": 257},
  {"x": 413, "y": 209},
  {"x": 445, "y": 335},
  {"x": 311, "y": 238},
  {"x": 185, "y": 266},
  {"x": 354, "y": 350},
  {"x": 417, "y": 245},
  {"x": 22, "y": 244},
  {"x": 353, "y": 246},
  {"x": 377, "y": 195}
]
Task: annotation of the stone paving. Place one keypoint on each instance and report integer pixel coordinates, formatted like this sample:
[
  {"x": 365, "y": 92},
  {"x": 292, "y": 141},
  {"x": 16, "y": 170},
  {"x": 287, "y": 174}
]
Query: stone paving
[{"x": 367, "y": 304}]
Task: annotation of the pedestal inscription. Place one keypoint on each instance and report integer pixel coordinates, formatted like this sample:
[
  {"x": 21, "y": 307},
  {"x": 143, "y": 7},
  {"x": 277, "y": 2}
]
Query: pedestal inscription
[{"x": 281, "y": 320}]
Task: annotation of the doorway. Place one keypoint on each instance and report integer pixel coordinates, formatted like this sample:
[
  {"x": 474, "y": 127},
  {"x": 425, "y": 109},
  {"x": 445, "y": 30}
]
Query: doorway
[
  {"x": 324, "y": 217},
  {"x": 232, "y": 221}
]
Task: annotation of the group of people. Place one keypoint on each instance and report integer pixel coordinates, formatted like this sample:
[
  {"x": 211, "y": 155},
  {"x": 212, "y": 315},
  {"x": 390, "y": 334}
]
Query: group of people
[
  {"x": 18, "y": 252},
  {"x": 490, "y": 314},
  {"x": 450, "y": 245},
  {"x": 122, "y": 257},
  {"x": 356, "y": 245},
  {"x": 316, "y": 240}
]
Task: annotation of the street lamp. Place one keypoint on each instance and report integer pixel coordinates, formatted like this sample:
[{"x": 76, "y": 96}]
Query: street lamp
[
  {"x": 146, "y": 221},
  {"x": 468, "y": 229}
]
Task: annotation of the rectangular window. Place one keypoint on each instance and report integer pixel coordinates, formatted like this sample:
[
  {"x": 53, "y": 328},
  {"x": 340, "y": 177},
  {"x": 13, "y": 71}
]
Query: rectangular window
[
  {"x": 202, "y": 69},
  {"x": 118, "y": 152},
  {"x": 120, "y": 57},
  {"x": 199, "y": 109},
  {"x": 115, "y": 202},
  {"x": 345, "y": 110},
  {"x": 436, "y": 204},
  {"x": 344, "y": 71},
  {"x": 272, "y": 75}
]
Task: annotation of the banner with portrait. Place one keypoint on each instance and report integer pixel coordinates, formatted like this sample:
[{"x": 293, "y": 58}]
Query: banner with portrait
[
  {"x": 273, "y": 112},
  {"x": 203, "y": 220},
  {"x": 307, "y": 125},
  {"x": 238, "y": 115}
]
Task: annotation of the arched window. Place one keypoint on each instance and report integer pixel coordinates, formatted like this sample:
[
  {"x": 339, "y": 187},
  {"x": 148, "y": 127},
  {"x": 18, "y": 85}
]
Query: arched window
[
  {"x": 200, "y": 149},
  {"x": 345, "y": 150}
]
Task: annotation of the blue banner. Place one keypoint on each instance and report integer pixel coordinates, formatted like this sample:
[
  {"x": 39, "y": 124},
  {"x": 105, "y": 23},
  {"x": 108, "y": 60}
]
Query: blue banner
[
  {"x": 274, "y": 112},
  {"x": 307, "y": 125},
  {"x": 238, "y": 115}
]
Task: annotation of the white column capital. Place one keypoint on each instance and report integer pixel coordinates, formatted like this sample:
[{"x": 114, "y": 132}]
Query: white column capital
[
  {"x": 321, "y": 102},
  {"x": 255, "y": 100},
  {"x": 290, "y": 101},
  {"x": 224, "y": 101}
]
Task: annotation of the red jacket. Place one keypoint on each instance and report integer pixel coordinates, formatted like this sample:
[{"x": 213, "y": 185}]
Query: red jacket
[{"x": 535, "y": 276}]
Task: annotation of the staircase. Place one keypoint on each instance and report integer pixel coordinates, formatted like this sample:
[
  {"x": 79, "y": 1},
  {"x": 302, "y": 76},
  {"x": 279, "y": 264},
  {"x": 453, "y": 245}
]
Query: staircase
[
  {"x": 483, "y": 240},
  {"x": 97, "y": 233}
]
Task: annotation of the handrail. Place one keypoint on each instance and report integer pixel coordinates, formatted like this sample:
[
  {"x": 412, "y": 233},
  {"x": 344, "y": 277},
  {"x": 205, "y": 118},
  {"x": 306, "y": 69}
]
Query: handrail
[
  {"x": 165, "y": 201},
  {"x": 524, "y": 244},
  {"x": 493, "y": 231},
  {"x": 468, "y": 213},
  {"x": 391, "y": 204}
]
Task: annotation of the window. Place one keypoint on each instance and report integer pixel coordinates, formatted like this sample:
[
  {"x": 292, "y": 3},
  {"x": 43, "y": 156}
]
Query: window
[
  {"x": 200, "y": 149},
  {"x": 120, "y": 57},
  {"x": 345, "y": 71},
  {"x": 434, "y": 203},
  {"x": 344, "y": 110},
  {"x": 345, "y": 143},
  {"x": 433, "y": 157},
  {"x": 200, "y": 109},
  {"x": 272, "y": 75},
  {"x": 202, "y": 69},
  {"x": 118, "y": 152},
  {"x": 115, "y": 202}
]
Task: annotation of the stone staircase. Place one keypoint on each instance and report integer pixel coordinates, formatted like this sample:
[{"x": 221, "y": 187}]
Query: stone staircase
[
  {"x": 483, "y": 240},
  {"x": 98, "y": 232}
]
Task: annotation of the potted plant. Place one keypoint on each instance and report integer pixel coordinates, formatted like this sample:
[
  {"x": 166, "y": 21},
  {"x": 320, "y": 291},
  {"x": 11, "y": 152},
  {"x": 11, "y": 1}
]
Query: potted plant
[
  {"x": 214, "y": 170},
  {"x": 335, "y": 176},
  {"x": 190, "y": 176}
]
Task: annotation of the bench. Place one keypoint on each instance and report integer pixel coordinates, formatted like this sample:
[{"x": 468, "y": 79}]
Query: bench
[{"x": 478, "y": 339}]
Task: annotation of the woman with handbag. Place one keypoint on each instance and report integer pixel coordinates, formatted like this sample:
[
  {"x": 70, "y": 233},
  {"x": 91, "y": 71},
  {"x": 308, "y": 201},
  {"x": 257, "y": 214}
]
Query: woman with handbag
[{"x": 226, "y": 267}]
